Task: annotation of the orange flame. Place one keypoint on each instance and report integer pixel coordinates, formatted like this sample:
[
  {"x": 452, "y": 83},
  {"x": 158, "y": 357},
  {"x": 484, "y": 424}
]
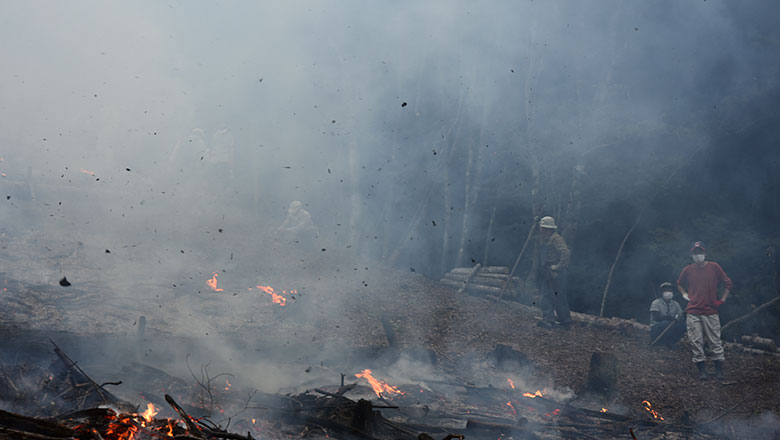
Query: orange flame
[
  {"x": 150, "y": 412},
  {"x": 122, "y": 428},
  {"x": 554, "y": 412},
  {"x": 378, "y": 386},
  {"x": 275, "y": 297},
  {"x": 603, "y": 410},
  {"x": 512, "y": 407},
  {"x": 212, "y": 282},
  {"x": 511, "y": 383},
  {"x": 649, "y": 408},
  {"x": 227, "y": 385},
  {"x": 538, "y": 393}
]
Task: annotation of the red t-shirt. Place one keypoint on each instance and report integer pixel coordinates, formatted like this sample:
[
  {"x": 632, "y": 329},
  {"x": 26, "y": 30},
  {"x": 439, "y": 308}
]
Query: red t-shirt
[{"x": 701, "y": 282}]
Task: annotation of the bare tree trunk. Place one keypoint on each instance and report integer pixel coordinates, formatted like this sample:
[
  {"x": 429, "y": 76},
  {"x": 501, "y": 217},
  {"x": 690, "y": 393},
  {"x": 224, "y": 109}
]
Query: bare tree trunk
[
  {"x": 487, "y": 239},
  {"x": 448, "y": 146},
  {"x": 355, "y": 207},
  {"x": 473, "y": 179},
  {"x": 466, "y": 205}
]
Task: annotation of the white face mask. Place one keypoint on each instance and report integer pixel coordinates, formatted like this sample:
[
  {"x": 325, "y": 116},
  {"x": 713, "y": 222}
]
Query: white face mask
[
  {"x": 668, "y": 296},
  {"x": 698, "y": 258}
]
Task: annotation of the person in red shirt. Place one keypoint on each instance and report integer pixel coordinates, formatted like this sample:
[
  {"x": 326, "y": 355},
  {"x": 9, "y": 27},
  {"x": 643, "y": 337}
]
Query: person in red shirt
[{"x": 698, "y": 283}]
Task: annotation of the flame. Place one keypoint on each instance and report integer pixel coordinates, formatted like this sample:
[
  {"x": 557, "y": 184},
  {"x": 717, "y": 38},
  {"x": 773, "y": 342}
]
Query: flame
[
  {"x": 512, "y": 407},
  {"x": 171, "y": 424},
  {"x": 253, "y": 421},
  {"x": 649, "y": 408},
  {"x": 150, "y": 412},
  {"x": 275, "y": 297},
  {"x": 378, "y": 386},
  {"x": 91, "y": 173},
  {"x": 554, "y": 412},
  {"x": 121, "y": 428},
  {"x": 227, "y": 385},
  {"x": 212, "y": 282},
  {"x": 603, "y": 410},
  {"x": 511, "y": 383},
  {"x": 538, "y": 393}
]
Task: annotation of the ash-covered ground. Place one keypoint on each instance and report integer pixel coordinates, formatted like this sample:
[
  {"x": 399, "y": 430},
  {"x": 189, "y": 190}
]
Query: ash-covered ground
[{"x": 333, "y": 324}]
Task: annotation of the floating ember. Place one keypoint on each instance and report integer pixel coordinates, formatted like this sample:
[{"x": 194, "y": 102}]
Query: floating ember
[
  {"x": 649, "y": 408},
  {"x": 378, "y": 386},
  {"x": 212, "y": 282},
  {"x": 538, "y": 393}
]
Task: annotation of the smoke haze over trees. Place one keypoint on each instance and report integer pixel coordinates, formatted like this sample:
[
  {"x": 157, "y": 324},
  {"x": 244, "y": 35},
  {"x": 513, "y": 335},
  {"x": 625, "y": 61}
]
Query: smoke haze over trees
[{"x": 425, "y": 134}]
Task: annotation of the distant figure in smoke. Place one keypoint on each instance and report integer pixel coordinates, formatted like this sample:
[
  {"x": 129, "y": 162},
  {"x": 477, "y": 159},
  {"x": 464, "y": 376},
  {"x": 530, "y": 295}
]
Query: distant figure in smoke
[
  {"x": 553, "y": 260},
  {"x": 220, "y": 155},
  {"x": 189, "y": 150},
  {"x": 665, "y": 311},
  {"x": 698, "y": 284},
  {"x": 298, "y": 225}
]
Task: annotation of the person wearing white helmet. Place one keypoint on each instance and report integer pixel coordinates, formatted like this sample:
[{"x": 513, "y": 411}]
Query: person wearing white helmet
[
  {"x": 665, "y": 311},
  {"x": 298, "y": 226},
  {"x": 553, "y": 260}
]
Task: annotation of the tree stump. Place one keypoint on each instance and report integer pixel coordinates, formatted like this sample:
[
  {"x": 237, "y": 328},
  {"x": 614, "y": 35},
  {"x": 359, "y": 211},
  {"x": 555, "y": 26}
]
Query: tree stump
[{"x": 603, "y": 374}]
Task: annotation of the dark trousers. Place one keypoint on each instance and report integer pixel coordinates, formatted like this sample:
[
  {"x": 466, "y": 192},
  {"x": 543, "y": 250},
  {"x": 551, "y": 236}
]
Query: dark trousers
[
  {"x": 554, "y": 301},
  {"x": 672, "y": 336}
]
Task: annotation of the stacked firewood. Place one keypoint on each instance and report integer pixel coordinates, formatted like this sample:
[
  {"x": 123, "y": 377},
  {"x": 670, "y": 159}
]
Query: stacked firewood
[{"x": 489, "y": 280}]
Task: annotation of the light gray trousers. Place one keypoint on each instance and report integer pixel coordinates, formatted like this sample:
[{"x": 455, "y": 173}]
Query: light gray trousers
[{"x": 705, "y": 329}]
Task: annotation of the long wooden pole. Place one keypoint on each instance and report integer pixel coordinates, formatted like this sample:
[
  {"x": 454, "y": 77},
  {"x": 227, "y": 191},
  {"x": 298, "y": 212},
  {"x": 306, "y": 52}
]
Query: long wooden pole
[
  {"x": 517, "y": 261},
  {"x": 749, "y": 314}
]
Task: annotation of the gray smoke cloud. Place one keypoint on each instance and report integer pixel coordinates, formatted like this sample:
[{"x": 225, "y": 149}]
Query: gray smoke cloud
[{"x": 370, "y": 113}]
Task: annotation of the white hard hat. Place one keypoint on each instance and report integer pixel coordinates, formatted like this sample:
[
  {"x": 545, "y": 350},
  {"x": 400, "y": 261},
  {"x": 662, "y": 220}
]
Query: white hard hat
[{"x": 547, "y": 222}]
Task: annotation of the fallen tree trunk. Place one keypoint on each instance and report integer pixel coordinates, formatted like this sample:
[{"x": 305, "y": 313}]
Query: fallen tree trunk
[
  {"x": 479, "y": 279},
  {"x": 476, "y": 288},
  {"x": 486, "y": 269}
]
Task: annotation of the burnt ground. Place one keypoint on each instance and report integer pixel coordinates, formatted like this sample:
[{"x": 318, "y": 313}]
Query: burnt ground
[{"x": 336, "y": 316}]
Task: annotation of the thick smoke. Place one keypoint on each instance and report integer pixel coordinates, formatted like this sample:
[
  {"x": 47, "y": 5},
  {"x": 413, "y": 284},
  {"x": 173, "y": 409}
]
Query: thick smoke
[{"x": 403, "y": 127}]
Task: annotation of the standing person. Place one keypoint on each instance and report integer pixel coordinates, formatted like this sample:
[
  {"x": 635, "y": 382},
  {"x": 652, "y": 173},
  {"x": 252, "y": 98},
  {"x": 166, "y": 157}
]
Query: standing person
[
  {"x": 554, "y": 257},
  {"x": 698, "y": 284},
  {"x": 665, "y": 311}
]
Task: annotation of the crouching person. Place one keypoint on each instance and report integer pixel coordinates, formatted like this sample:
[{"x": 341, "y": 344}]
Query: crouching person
[{"x": 666, "y": 312}]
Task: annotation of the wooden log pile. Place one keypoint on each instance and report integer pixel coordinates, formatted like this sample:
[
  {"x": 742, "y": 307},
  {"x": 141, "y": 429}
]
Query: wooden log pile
[{"x": 481, "y": 280}]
